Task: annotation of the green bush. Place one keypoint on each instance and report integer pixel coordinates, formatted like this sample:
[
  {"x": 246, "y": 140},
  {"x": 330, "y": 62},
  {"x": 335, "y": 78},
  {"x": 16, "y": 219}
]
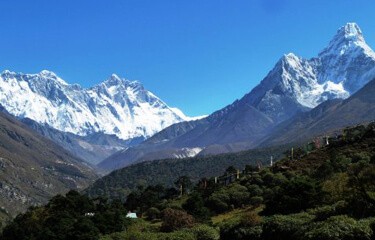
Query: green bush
[
  {"x": 247, "y": 227},
  {"x": 218, "y": 202},
  {"x": 234, "y": 229},
  {"x": 238, "y": 194},
  {"x": 362, "y": 156},
  {"x": 280, "y": 227},
  {"x": 204, "y": 232},
  {"x": 254, "y": 190},
  {"x": 339, "y": 227},
  {"x": 194, "y": 205},
  {"x": 153, "y": 213},
  {"x": 324, "y": 212}
]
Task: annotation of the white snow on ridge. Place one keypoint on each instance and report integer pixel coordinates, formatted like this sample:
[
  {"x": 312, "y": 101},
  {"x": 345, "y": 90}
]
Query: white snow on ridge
[
  {"x": 187, "y": 152},
  {"x": 299, "y": 78},
  {"x": 116, "y": 106},
  {"x": 342, "y": 68},
  {"x": 347, "y": 59},
  {"x": 183, "y": 116}
]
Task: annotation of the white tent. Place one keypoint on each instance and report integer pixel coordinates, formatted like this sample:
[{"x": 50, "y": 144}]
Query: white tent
[{"x": 131, "y": 215}]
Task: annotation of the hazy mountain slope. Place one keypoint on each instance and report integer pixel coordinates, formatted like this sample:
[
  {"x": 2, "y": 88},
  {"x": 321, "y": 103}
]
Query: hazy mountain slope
[
  {"x": 293, "y": 86},
  {"x": 92, "y": 148},
  {"x": 32, "y": 168}
]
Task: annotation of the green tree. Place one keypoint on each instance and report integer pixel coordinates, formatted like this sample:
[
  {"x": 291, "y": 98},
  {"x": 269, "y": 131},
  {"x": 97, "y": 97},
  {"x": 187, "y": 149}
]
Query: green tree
[{"x": 195, "y": 206}]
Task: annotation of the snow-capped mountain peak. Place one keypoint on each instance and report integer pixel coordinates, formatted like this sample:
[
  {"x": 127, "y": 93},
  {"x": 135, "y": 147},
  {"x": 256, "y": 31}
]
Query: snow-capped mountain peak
[
  {"x": 347, "y": 59},
  {"x": 296, "y": 84},
  {"x": 47, "y": 73},
  {"x": 114, "y": 79},
  {"x": 350, "y": 31},
  {"x": 116, "y": 106},
  {"x": 348, "y": 40},
  {"x": 118, "y": 82},
  {"x": 50, "y": 76},
  {"x": 7, "y": 72}
]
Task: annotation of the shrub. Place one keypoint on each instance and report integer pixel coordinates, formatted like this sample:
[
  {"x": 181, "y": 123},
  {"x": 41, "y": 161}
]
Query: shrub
[
  {"x": 153, "y": 213},
  {"x": 238, "y": 194},
  {"x": 176, "y": 219},
  {"x": 337, "y": 228},
  {"x": 254, "y": 190},
  {"x": 204, "y": 232},
  {"x": 235, "y": 229},
  {"x": 251, "y": 219},
  {"x": 256, "y": 201},
  {"x": 324, "y": 212},
  {"x": 218, "y": 202},
  {"x": 357, "y": 157},
  {"x": 280, "y": 227}
]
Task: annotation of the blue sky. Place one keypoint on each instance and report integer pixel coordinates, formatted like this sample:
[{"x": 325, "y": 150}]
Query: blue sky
[{"x": 196, "y": 55}]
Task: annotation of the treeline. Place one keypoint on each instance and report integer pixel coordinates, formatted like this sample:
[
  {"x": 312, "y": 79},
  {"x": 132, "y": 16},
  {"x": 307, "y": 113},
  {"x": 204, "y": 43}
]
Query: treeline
[{"x": 120, "y": 183}]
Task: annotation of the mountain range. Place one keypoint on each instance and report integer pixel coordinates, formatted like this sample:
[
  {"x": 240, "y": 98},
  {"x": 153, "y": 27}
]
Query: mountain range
[
  {"x": 294, "y": 86},
  {"x": 116, "y": 106},
  {"x": 123, "y": 123},
  {"x": 117, "y": 109}
]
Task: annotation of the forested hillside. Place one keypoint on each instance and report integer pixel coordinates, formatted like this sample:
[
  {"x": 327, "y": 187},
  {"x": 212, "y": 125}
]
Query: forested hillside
[
  {"x": 119, "y": 183},
  {"x": 322, "y": 192}
]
